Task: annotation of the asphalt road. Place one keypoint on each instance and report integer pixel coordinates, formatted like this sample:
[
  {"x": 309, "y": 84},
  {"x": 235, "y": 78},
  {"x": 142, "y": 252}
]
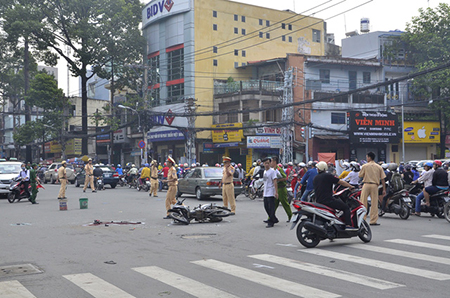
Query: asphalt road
[{"x": 238, "y": 257}]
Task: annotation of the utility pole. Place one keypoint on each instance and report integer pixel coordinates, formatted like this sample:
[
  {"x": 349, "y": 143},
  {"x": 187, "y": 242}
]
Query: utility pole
[
  {"x": 190, "y": 109},
  {"x": 111, "y": 135},
  {"x": 287, "y": 116}
]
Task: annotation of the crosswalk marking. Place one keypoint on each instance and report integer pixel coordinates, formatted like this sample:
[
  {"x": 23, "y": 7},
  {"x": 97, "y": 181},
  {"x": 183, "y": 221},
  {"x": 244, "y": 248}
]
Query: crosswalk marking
[
  {"x": 378, "y": 264},
  {"x": 96, "y": 286},
  {"x": 441, "y": 237},
  {"x": 330, "y": 272},
  {"x": 420, "y": 244},
  {"x": 401, "y": 253},
  {"x": 14, "y": 289},
  {"x": 266, "y": 280},
  {"x": 182, "y": 283}
]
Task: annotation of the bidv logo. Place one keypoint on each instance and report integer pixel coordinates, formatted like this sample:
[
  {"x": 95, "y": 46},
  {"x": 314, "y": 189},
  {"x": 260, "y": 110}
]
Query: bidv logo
[{"x": 158, "y": 7}]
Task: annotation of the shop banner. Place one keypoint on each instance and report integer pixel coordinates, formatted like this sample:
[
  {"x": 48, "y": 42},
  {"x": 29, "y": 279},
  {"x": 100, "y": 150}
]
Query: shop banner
[
  {"x": 422, "y": 132},
  {"x": 373, "y": 127},
  {"x": 223, "y": 135},
  {"x": 276, "y": 131},
  {"x": 264, "y": 142}
]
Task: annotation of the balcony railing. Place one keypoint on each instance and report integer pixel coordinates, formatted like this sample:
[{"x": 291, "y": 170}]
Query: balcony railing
[{"x": 251, "y": 86}]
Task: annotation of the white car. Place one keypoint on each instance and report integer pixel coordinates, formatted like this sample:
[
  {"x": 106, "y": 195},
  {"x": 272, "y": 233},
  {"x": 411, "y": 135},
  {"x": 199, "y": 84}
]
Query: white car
[{"x": 8, "y": 171}]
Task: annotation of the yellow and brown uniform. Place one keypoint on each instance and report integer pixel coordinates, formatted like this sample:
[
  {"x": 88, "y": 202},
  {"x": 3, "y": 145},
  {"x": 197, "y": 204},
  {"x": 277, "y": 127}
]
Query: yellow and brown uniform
[
  {"x": 172, "y": 191},
  {"x": 372, "y": 174},
  {"x": 62, "y": 177},
  {"x": 228, "y": 188},
  {"x": 154, "y": 180},
  {"x": 89, "y": 171}
]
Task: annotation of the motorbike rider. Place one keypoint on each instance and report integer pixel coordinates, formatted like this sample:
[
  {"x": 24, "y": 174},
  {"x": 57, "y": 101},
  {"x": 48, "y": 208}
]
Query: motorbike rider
[
  {"x": 308, "y": 179},
  {"x": 119, "y": 170},
  {"x": 98, "y": 172},
  {"x": 426, "y": 178},
  {"x": 353, "y": 177},
  {"x": 323, "y": 188},
  {"x": 408, "y": 175},
  {"x": 132, "y": 173},
  {"x": 25, "y": 176},
  {"x": 439, "y": 182},
  {"x": 301, "y": 172},
  {"x": 145, "y": 173},
  {"x": 346, "y": 170}
]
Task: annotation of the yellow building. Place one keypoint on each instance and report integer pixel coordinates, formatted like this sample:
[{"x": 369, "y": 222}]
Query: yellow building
[{"x": 192, "y": 43}]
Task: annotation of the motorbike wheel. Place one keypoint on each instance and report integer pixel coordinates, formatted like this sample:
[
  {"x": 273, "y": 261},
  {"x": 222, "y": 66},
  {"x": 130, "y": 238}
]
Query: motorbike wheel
[
  {"x": 215, "y": 219},
  {"x": 12, "y": 197},
  {"x": 405, "y": 211},
  {"x": 380, "y": 210},
  {"x": 307, "y": 238},
  {"x": 447, "y": 211},
  {"x": 365, "y": 233},
  {"x": 252, "y": 194},
  {"x": 440, "y": 207},
  {"x": 178, "y": 218}
]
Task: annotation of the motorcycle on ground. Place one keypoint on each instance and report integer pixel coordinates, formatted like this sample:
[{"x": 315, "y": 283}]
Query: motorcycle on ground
[
  {"x": 202, "y": 213},
  {"x": 319, "y": 222},
  {"x": 17, "y": 190}
]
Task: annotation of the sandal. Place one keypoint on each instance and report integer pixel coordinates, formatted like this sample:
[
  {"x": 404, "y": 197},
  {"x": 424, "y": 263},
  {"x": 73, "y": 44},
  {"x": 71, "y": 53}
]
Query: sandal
[{"x": 416, "y": 213}]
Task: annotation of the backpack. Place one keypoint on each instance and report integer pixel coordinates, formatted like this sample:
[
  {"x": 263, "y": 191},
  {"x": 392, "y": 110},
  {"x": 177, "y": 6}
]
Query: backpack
[
  {"x": 396, "y": 182},
  {"x": 236, "y": 174}
]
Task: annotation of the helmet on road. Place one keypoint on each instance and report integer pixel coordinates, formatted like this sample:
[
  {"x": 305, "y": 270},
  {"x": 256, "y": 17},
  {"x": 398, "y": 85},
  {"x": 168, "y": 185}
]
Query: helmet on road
[
  {"x": 438, "y": 163},
  {"x": 392, "y": 166},
  {"x": 429, "y": 164},
  {"x": 322, "y": 166}
]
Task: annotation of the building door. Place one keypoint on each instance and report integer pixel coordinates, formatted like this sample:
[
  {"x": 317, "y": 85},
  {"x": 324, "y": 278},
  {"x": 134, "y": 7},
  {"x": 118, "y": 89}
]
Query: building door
[{"x": 352, "y": 80}]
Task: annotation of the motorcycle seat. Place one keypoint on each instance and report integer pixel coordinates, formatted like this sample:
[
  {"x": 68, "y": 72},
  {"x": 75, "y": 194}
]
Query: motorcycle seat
[
  {"x": 439, "y": 193},
  {"x": 318, "y": 205}
]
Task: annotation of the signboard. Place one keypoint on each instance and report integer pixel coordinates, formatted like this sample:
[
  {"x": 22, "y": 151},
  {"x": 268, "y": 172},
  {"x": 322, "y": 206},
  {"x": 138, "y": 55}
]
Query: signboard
[
  {"x": 222, "y": 134},
  {"x": 268, "y": 131},
  {"x": 73, "y": 147},
  {"x": 264, "y": 142},
  {"x": 422, "y": 132},
  {"x": 103, "y": 138},
  {"x": 166, "y": 135},
  {"x": 120, "y": 136},
  {"x": 158, "y": 9},
  {"x": 373, "y": 127},
  {"x": 165, "y": 125},
  {"x": 141, "y": 144}
]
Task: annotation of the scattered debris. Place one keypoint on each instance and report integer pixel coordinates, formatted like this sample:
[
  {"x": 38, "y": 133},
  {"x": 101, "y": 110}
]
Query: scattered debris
[
  {"x": 123, "y": 222},
  {"x": 110, "y": 262},
  {"x": 21, "y": 224}
]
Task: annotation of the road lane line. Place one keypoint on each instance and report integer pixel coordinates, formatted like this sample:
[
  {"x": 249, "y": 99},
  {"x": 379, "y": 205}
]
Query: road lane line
[
  {"x": 401, "y": 253},
  {"x": 183, "y": 283},
  {"x": 14, "y": 289},
  {"x": 96, "y": 286},
  {"x": 273, "y": 282},
  {"x": 441, "y": 237},
  {"x": 378, "y": 264},
  {"x": 330, "y": 272},
  {"x": 420, "y": 244}
]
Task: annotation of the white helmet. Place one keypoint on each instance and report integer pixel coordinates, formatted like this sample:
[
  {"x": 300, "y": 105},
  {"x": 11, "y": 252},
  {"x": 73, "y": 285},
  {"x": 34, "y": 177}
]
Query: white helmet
[
  {"x": 302, "y": 164},
  {"x": 254, "y": 164},
  {"x": 356, "y": 167},
  {"x": 346, "y": 165},
  {"x": 290, "y": 163},
  {"x": 310, "y": 163},
  {"x": 322, "y": 166},
  {"x": 384, "y": 166},
  {"x": 392, "y": 166}
]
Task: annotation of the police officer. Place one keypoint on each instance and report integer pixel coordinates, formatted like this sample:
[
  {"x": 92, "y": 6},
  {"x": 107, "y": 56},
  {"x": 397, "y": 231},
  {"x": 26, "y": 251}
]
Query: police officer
[
  {"x": 89, "y": 178},
  {"x": 33, "y": 180},
  {"x": 62, "y": 177},
  {"x": 227, "y": 185},
  {"x": 172, "y": 183},
  {"x": 154, "y": 179}
]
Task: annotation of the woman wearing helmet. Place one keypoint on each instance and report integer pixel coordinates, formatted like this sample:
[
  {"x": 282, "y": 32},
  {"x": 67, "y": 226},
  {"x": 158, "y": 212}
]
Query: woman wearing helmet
[{"x": 353, "y": 177}]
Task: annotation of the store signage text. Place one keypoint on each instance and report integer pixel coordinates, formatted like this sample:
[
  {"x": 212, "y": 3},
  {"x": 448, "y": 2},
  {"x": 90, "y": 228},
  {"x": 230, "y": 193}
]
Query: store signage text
[{"x": 158, "y": 7}]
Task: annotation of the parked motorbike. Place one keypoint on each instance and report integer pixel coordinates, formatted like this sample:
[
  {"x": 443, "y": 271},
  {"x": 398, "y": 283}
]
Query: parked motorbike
[
  {"x": 145, "y": 185},
  {"x": 399, "y": 202},
  {"x": 256, "y": 188},
  {"x": 202, "y": 213},
  {"x": 17, "y": 190},
  {"x": 99, "y": 184},
  {"x": 319, "y": 222}
]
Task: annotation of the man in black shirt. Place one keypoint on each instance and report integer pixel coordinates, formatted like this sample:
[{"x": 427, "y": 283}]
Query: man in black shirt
[
  {"x": 98, "y": 172},
  {"x": 408, "y": 175},
  {"x": 323, "y": 188},
  {"x": 439, "y": 182}
]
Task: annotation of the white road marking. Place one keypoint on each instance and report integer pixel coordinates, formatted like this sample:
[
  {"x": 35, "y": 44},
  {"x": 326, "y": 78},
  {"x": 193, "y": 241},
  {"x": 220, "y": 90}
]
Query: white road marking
[
  {"x": 182, "y": 283},
  {"x": 330, "y": 272},
  {"x": 14, "y": 289},
  {"x": 441, "y": 237},
  {"x": 273, "y": 282},
  {"x": 262, "y": 266},
  {"x": 96, "y": 286},
  {"x": 401, "y": 253},
  {"x": 378, "y": 264},
  {"x": 420, "y": 244},
  {"x": 287, "y": 244}
]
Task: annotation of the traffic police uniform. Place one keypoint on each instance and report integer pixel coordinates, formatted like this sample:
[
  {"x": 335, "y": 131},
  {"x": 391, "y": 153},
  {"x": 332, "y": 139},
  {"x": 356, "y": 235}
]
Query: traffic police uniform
[
  {"x": 228, "y": 186},
  {"x": 62, "y": 177},
  {"x": 172, "y": 191},
  {"x": 89, "y": 178},
  {"x": 154, "y": 179}
]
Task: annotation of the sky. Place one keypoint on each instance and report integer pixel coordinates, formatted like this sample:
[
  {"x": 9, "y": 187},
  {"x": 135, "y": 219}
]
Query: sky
[{"x": 384, "y": 15}]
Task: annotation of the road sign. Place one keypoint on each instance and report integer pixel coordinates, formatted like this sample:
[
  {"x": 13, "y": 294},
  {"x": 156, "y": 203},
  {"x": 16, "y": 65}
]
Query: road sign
[{"x": 141, "y": 144}]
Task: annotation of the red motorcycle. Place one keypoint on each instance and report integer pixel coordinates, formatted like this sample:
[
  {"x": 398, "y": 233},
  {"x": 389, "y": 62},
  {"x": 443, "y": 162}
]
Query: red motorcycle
[
  {"x": 17, "y": 190},
  {"x": 319, "y": 222}
]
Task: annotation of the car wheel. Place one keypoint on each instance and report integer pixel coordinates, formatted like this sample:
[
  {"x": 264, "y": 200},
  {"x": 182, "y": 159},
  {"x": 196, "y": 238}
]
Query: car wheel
[
  {"x": 113, "y": 185},
  {"x": 52, "y": 181},
  {"x": 45, "y": 180},
  {"x": 76, "y": 182},
  {"x": 198, "y": 193}
]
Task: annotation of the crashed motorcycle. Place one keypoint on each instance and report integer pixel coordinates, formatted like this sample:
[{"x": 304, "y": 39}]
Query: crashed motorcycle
[
  {"x": 319, "y": 222},
  {"x": 17, "y": 190},
  {"x": 202, "y": 213}
]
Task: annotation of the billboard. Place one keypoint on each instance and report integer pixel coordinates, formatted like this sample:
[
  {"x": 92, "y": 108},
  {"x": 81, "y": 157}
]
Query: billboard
[
  {"x": 224, "y": 135},
  {"x": 264, "y": 142},
  {"x": 373, "y": 127},
  {"x": 422, "y": 132}
]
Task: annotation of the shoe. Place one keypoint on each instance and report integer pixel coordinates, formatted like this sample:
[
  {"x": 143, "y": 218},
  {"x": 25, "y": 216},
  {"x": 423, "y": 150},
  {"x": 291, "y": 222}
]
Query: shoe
[
  {"x": 375, "y": 224},
  {"x": 350, "y": 228},
  {"x": 166, "y": 217},
  {"x": 269, "y": 225},
  {"x": 265, "y": 221},
  {"x": 416, "y": 213},
  {"x": 232, "y": 213},
  {"x": 34, "y": 203},
  {"x": 155, "y": 196},
  {"x": 94, "y": 191},
  {"x": 84, "y": 190}
]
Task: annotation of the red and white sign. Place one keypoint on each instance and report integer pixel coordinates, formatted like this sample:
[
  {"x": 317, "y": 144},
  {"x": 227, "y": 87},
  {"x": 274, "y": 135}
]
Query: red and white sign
[
  {"x": 268, "y": 131},
  {"x": 263, "y": 142}
]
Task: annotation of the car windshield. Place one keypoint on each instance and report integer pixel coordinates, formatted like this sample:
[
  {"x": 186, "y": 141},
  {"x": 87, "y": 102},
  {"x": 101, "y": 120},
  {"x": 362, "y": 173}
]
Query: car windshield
[
  {"x": 9, "y": 168},
  {"x": 213, "y": 173}
]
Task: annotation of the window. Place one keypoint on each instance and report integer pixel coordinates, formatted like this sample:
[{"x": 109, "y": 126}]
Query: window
[
  {"x": 236, "y": 64},
  {"x": 215, "y": 62},
  {"x": 290, "y": 27},
  {"x": 176, "y": 64},
  {"x": 243, "y": 19},
  {"x": 214, "y": 49},
  {"x": 175, "y": 91},
  {"x": 283, "y": 26},
  {"x": 236, "y": 52},
  {"x": 267, "y": 23},
  {"x": 260, "y": 22},
  {"x": 261, "y": 35},
  {"x": 325, "y": 76},
  {"x": 236, "y": 31},
  {"x": 267, "y": 35},
  {"x": 243, "y": 64},
  {"x": 154, "y": 70},
  {"x": 243, "y": 53},
  {"x": 366, "y": 77},
  {"x": 290, "y": 38},
  {"x": 316, "y": 35},
  {"x": 243, "y": 31},
  {"x": 235, "y": 17},
  {"x": 337, "y": 118},
  {"x": 214, "y": 14},
  {"x": 215, "y": 27},
  {"x": 352, "y": 83},
  {"x": 154, "y": 96},
  {"x": 283, "y": 37}
]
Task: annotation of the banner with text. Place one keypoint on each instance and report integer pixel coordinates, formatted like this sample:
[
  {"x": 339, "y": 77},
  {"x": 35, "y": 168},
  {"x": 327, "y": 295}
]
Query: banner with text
[
  {"x": 223, "y": 133},
  {"x": 264, "y": 142},
  {"x": 373, "y": 127}
]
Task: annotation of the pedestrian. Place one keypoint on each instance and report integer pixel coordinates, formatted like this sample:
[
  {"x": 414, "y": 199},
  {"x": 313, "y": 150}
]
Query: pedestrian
[
  {"x": 172, "y": 182},
  {"x": 240, "y": 171},
  {"x": 33, "y": 180},
  {"x": 282, "y": 190},
  {"x": 372, "y": 174},
  {"x": 62, "y": 177},
  {"x": 154, "y": 184},
  {"x": 270, "y": 192},
  {"x": 89, "y": 175},
  {"x": 227, "y": 185}
]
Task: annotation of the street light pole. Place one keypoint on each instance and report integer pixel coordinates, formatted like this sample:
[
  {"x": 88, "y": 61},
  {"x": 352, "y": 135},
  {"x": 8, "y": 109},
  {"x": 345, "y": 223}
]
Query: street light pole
[{"x": 144, "y": 159}]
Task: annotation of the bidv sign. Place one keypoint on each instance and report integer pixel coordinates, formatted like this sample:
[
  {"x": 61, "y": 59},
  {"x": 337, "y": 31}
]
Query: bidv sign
[
  {"x": 158, "y": 7},
  {"x": 161, "y": 8}
]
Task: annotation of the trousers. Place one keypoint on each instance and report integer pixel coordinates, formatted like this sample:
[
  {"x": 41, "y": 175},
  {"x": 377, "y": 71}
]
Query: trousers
[
  {"x": 34, "y": 192},
  {"x": 154, "y": 186},
  {"x": 339, "y": 205},
  {"x": 269, "y": 206},
  {"x": 62, "y": 189},
  {"x": 282, "y": 198},
  {"x": 171, "y": 197},
  {"x": 228, "y": 196},
  {"x": 89, "y": 179},
  {"x": 372, "y": 191}
]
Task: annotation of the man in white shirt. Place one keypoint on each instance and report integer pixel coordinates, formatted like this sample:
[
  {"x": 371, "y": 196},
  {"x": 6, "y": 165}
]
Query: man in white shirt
[{"x": 270, "y": 192}]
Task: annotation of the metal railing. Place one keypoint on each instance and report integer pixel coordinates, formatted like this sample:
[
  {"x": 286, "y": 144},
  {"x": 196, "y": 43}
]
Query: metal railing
[{"x": 261, "y": 86}]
